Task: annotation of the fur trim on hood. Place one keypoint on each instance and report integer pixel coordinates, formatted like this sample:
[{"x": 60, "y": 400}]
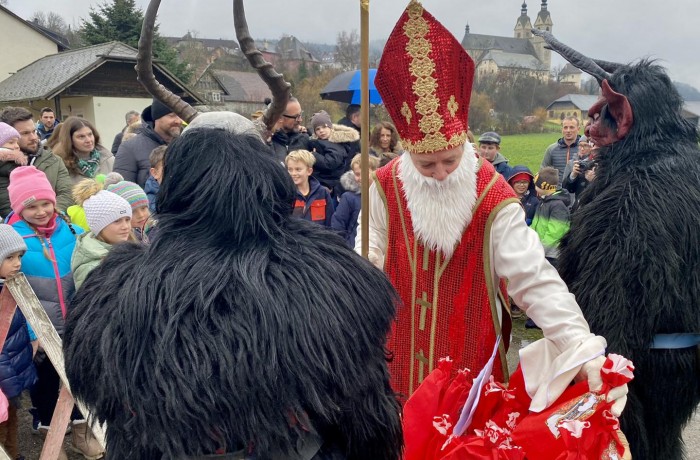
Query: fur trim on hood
[
  {"x": 342, "y": 134},
  {"x": 347, "y": 180}
]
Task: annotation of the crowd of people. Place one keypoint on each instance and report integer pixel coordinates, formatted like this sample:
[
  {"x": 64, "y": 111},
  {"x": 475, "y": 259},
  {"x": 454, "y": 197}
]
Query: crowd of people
[{"x": 70, "y": 199}]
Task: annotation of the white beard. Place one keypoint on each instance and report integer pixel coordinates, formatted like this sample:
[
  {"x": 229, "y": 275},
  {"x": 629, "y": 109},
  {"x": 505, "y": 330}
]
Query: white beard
[{"x": 440, "y": 210}]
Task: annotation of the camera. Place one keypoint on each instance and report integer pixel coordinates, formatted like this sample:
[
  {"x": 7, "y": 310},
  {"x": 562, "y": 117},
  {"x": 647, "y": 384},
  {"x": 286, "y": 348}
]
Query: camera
[{"x": 585, "y": 165}]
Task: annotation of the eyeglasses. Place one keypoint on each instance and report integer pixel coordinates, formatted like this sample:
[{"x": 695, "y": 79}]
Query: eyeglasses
[{"x": 294, "y": 117}]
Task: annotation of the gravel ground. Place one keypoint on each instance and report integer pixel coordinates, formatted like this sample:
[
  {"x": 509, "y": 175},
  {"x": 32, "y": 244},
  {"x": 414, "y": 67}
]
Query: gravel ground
[{"x": 30, "y": 444}]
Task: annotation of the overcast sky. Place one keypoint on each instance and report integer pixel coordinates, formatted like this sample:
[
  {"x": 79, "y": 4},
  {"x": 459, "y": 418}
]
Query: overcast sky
[{"x": 620, "y": 30}]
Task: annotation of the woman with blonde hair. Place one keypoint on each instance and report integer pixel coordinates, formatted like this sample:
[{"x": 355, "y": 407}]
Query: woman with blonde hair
[{"x": 79, "y": 147}]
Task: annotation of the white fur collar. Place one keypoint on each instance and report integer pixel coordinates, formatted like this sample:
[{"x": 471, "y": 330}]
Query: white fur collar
[{"x": 440, "y": 210}]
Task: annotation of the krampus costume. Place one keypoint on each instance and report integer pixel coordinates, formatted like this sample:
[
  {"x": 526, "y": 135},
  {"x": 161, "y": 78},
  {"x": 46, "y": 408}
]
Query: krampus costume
[
  {"x": 633, "y": 251},
  {"x": 240, "y": 329}
]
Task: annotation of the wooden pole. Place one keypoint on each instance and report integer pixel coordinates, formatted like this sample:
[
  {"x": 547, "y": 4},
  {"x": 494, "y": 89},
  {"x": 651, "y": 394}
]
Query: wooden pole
[{"x": 364, "y": 138}]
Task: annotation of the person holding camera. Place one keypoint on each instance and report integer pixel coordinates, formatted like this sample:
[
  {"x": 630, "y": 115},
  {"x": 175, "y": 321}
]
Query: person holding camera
[{"x": 579, "y": 171}]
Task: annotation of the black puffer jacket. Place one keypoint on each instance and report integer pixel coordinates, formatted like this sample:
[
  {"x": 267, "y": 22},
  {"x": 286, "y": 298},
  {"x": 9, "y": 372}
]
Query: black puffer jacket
[
  {"x": 132, "y": 157},
  {"x": 284, "y": 142}
]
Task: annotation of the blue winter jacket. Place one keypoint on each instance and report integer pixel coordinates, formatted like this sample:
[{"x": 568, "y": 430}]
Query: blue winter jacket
[
  {"x": 17, "y": 371},
  {"x": 345, "y": 216},
  {"x": 151, "y": 188},
  {"x": 317, "y": 206},
  {"x": 51, "y": 279}
]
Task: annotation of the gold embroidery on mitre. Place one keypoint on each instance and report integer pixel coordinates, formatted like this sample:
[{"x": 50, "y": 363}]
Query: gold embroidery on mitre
[
  {"x": 452, "y": 106},
  {"x": 427, "y": 104},
  {"x": 422, "y": 66},
  {"x": 431, "y": 123},
  {"x": 416, "y": 28},
  {"x": 425, "y": 87},
  {"x": 418, "y": 48},
  {"x": 406, "y": 112}
]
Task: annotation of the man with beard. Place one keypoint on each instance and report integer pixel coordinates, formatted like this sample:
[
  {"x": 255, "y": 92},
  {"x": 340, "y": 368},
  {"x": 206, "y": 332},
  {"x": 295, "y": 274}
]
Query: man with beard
[
  {"x": 37, "y": 155},
  {"x": 160, "y": 126},
  {"x": 448, "y": 231}
]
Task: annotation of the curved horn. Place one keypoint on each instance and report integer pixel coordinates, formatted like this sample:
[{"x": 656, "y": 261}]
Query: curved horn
[
  {"x": 278, "y": 86},
  {"x": 580, "y": 61},
  {"x": 144, "y": 68},
  {"x": 608, "y": 66}
]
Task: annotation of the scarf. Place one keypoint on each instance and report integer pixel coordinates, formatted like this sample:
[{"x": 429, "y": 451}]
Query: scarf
[{"x": 89, "y": 167}]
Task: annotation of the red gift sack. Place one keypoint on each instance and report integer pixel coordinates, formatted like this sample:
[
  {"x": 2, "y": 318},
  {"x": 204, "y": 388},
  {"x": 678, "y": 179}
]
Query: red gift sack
[{"x": 579, "y": 425}]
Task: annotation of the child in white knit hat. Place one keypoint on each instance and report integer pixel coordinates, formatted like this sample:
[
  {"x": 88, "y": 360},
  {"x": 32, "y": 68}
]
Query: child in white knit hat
[{"x": 109, "y": 218}]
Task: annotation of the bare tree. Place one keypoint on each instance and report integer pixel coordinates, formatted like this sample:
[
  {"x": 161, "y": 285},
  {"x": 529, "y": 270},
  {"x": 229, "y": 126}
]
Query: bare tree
[
  {"x": 347, "y": 50},
  {"x": 556, "y": 72},
  {"x": 52, "y": 21}
]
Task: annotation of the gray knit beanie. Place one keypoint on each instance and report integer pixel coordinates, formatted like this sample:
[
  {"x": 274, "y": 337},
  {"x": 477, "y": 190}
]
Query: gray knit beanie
[
  {"x": 321, "y": 119},
  {"x": 103, "y": 208},
  {"x": 10, "y": 242}
]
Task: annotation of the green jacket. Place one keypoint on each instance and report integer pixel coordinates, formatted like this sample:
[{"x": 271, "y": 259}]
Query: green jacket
[
  {"x": 55, "y": 171},
  {"x": 88, "y": 254},
  {"x": 551, "y": 221}
]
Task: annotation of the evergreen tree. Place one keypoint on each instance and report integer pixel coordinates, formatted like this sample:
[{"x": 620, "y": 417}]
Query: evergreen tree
[{"x": 121, "y": 20}]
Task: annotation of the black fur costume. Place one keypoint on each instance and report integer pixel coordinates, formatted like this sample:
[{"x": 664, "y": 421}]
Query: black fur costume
[
  {"x": 240, "y": 327},
  {"x": 632, "y": 257}
]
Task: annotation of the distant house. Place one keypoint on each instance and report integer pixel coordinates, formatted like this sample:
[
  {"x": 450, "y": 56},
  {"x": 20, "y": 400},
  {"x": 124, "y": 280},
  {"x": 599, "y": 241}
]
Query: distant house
[
  {"x": 288, "y": 55},
  {"x": 524, "y": 52},
  {"x": 691, "y": 111},
  {"x": 571, "y": 105},
  {"x": 95, "y": 82},
  {"x": 240, "y": 92},
  {"x": 570, "y": 75},
  {"x": 24, "y": 43},
  {"x": 202, "y": 52}
]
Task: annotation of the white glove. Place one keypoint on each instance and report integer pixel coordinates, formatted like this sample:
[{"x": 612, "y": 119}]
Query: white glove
[
  {"x": 375, "y": 259},
  {"x": 591, "y": 371}
]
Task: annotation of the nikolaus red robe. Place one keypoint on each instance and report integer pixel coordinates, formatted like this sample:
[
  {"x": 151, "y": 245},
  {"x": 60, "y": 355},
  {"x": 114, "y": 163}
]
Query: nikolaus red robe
[{"x": 449, "y": 305}]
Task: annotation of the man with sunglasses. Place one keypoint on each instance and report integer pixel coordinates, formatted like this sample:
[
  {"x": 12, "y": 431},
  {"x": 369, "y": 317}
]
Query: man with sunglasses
[{"x": 289, "y": 133}]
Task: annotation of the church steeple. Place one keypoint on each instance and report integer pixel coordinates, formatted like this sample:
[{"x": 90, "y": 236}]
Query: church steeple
[
  {"x": 543, "y": 22},
  {"x": 523, "y": 26},
  {"x": 543, "y": 18}
]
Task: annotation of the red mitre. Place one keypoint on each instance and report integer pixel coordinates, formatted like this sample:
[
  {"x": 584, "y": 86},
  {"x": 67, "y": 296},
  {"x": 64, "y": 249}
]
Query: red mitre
[{"x": 425, "y": 80}]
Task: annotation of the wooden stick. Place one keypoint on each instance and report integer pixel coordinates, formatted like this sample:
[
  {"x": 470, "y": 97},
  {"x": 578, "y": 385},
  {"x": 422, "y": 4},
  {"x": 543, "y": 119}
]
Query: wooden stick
[
  {"x": 7, "y": 312},
  {"x": 51, "y": 342},
  {"x": 59, "y": 423},
  {"x": 364, "y": 113}
]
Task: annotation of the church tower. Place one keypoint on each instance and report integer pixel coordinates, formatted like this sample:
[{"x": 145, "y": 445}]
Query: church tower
[
  {"x": 543, "y": 22},
  {"x": 523, "y": 26}
]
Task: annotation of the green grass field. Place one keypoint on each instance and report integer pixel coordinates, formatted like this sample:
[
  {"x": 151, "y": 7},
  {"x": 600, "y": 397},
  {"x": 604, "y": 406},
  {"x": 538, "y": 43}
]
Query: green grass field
[{"x": 527, "y": 149}]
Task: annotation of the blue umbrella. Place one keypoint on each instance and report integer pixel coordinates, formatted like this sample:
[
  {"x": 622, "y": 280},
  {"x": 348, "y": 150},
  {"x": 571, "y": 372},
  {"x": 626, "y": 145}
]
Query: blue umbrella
[{"x": 346, "y": 88}]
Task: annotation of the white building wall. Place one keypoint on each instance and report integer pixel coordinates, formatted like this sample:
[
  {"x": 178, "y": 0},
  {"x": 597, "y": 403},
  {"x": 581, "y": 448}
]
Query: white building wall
[
  {"x": 108, "y": 114},
  {"x": 23, "y": 45}
]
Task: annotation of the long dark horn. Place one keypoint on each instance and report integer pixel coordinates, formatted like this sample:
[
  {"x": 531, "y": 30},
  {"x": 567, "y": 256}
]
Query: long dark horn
[
  {"x": 580, "y": 61},
  {"x": 278, "y": 86},
  {"x": 144, "y": 68},
  {"x": 608, "y": 66}
]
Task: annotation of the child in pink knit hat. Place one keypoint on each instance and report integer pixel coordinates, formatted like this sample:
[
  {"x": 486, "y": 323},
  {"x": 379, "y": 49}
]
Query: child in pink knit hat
[
  {"x": 9, "y": 145},
  {"x": 50, "y": 243}
]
